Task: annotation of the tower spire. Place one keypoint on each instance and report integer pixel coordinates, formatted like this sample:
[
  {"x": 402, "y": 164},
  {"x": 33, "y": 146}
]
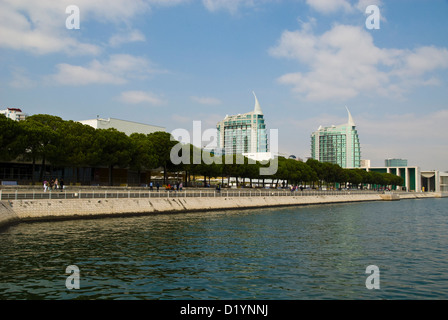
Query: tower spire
[
  {"x": 351, "y": 122},
  {"x": 257, "y": 108}
]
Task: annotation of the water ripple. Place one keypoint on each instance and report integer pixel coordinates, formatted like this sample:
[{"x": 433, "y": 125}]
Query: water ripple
[{"x": 310, "y": 252}]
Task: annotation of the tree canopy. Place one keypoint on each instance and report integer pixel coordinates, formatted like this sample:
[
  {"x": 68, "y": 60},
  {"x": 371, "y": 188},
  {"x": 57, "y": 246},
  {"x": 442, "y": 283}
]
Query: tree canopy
[{"x": 49, "y": 139}]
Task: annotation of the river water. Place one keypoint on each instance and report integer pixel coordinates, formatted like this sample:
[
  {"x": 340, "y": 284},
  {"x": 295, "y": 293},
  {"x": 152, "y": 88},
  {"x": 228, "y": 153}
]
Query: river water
[{"x": 300, "y": 253}]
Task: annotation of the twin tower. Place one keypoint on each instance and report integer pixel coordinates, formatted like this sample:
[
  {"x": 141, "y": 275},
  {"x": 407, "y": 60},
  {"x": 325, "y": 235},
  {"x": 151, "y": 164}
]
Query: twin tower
[{"x": 246, "y": 134}]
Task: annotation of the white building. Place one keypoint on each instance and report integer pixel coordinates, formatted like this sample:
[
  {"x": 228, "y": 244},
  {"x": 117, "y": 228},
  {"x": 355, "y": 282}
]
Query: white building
[
  {"x": 14, "y": 114},
  {"x": 365, "y": 163},
  {"x": 444, "y": 181},
  {"x": 128, "y": 127}
]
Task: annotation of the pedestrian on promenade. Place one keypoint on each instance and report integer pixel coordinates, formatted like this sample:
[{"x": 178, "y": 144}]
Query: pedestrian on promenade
[
  {"x": 45, "y": 186},
  {"x": 56, "y": 184},
  {"x": 157, "y": 186},
  {"x": 180, "y": 186},
  {"x": 61, "y": 184},
  {"x": 150, "y": 186}
]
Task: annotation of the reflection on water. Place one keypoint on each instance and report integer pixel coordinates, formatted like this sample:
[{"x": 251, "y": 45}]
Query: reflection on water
[{"x": 307, "y": 252}]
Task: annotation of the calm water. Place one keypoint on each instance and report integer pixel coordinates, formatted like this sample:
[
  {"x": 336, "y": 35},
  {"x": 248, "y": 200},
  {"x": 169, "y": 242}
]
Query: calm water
[{"x": 311, "y": 252}]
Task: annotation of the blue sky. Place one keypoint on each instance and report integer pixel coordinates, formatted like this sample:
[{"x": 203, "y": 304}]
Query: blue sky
[{"x": 171, "y": 62}]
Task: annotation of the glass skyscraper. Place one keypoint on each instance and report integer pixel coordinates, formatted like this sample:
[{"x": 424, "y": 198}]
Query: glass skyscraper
[
  {"x": 337, "y": 144},
  {"x": 243, "y": 133},
  {"x": 396, "y": 162}
]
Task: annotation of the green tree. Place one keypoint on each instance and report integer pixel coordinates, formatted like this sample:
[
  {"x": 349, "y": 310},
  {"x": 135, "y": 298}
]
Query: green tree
[
  {"x": 40, "y": 139},
  {"x": 114, "y": 149},
  {"x": 354, "y": 177},
  {"x": 143, "y": 155},
  {"x": 162, "y": 143},
  {"x": 77, "y": 145},
  {"x": 10, "y": 132},
  {"x": 318, "y": 169}
]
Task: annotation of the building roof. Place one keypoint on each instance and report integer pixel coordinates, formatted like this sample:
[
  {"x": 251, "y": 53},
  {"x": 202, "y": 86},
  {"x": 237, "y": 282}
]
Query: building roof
[
  {"x": 125, "y": 126},
  {"x": 350, "y": 123}
]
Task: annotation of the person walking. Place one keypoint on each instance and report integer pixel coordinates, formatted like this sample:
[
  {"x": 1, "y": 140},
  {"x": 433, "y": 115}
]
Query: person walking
[
  {"x": 61, "y": 183},
  {"x": 157, "y": 186}
]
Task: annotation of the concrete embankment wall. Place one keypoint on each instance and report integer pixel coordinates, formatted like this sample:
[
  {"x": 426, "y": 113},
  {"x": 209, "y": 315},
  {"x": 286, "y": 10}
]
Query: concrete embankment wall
[
  {"x": 34, "y": 210},
  {"x": 7, "y": 215}
]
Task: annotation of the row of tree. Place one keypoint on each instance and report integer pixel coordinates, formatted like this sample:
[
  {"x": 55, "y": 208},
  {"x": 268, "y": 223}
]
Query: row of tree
[{"x": 47, "y": 139}]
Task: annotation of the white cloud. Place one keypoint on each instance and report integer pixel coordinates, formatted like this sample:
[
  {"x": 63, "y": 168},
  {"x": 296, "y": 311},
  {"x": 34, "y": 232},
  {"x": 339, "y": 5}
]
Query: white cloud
[
  {"x": 206, "y": 100},
  {"x": 39, "y": 26},
  {"x": 330, "y": 6},
  {"x": 230, "y": 5},
  {"x": 137, "y": 97},
  {"x": 344, "y": 62},
  {"x": 117, "y": 70},
  {"x": 363, "y": 4},
  {"x": 336, "y": 6},
  {"x": 122, "y": 38},
  {"x": 37, "y": 33}
]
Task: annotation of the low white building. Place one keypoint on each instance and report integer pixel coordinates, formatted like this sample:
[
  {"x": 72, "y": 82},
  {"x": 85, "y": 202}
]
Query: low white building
[
  {"x": 444, "y": 181},
  {"x": 128, "y": 127},
  {"x": 14, "y": 114}
]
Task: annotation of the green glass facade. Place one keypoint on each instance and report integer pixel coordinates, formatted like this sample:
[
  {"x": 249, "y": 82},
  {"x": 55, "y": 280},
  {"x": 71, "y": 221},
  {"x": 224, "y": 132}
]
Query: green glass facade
[
  {"x": 243, "y": 133},
  {"x": 396, "y": 163},
  {"x": 338, "y": 145}
]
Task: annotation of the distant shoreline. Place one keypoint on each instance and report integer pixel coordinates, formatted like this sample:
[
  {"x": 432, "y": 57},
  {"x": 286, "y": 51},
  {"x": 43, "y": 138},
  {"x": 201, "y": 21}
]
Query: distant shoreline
[{"x": 24, "y": 210}]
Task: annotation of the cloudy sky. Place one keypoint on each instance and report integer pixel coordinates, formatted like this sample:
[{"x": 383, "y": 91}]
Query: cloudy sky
[{"x": 172, "y": 62}]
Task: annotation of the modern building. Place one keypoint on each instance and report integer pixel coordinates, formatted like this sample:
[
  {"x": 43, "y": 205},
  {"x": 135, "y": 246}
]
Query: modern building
[
  {"x": 127, "y": 127},
  {"x": 434, "y": 181},
  {"x": 337, "y": 144},
  {"x": 415, "y": 179},
  {"x": 244, "y": 134},
  {"x": 410, "y": 175},
  {"x": 444, "y": 181},
  {"x": 14, "y": 114},
  {"x": 396, "y": 162}
]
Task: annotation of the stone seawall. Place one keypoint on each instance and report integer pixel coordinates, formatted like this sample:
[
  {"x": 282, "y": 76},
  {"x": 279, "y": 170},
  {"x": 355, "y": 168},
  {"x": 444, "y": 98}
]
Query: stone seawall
[
  {"x": 34, "y": 210},
  {"x": 7, "y": 214}
]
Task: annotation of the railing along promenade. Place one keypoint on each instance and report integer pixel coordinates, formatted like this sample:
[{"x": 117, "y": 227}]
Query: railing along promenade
[{"x": 73, "y": 193}]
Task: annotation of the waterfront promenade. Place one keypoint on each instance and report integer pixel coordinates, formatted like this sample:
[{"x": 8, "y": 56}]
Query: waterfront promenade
[{"x": 28, "y": 204}]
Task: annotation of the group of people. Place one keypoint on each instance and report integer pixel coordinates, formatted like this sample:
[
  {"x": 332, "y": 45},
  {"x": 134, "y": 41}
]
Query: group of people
[
  {"x": 177, "y": 186},
  {"x": 53, "y": 185},
  {"x": 296, "y": 188},
  {"x": 151, "y": 186}
]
